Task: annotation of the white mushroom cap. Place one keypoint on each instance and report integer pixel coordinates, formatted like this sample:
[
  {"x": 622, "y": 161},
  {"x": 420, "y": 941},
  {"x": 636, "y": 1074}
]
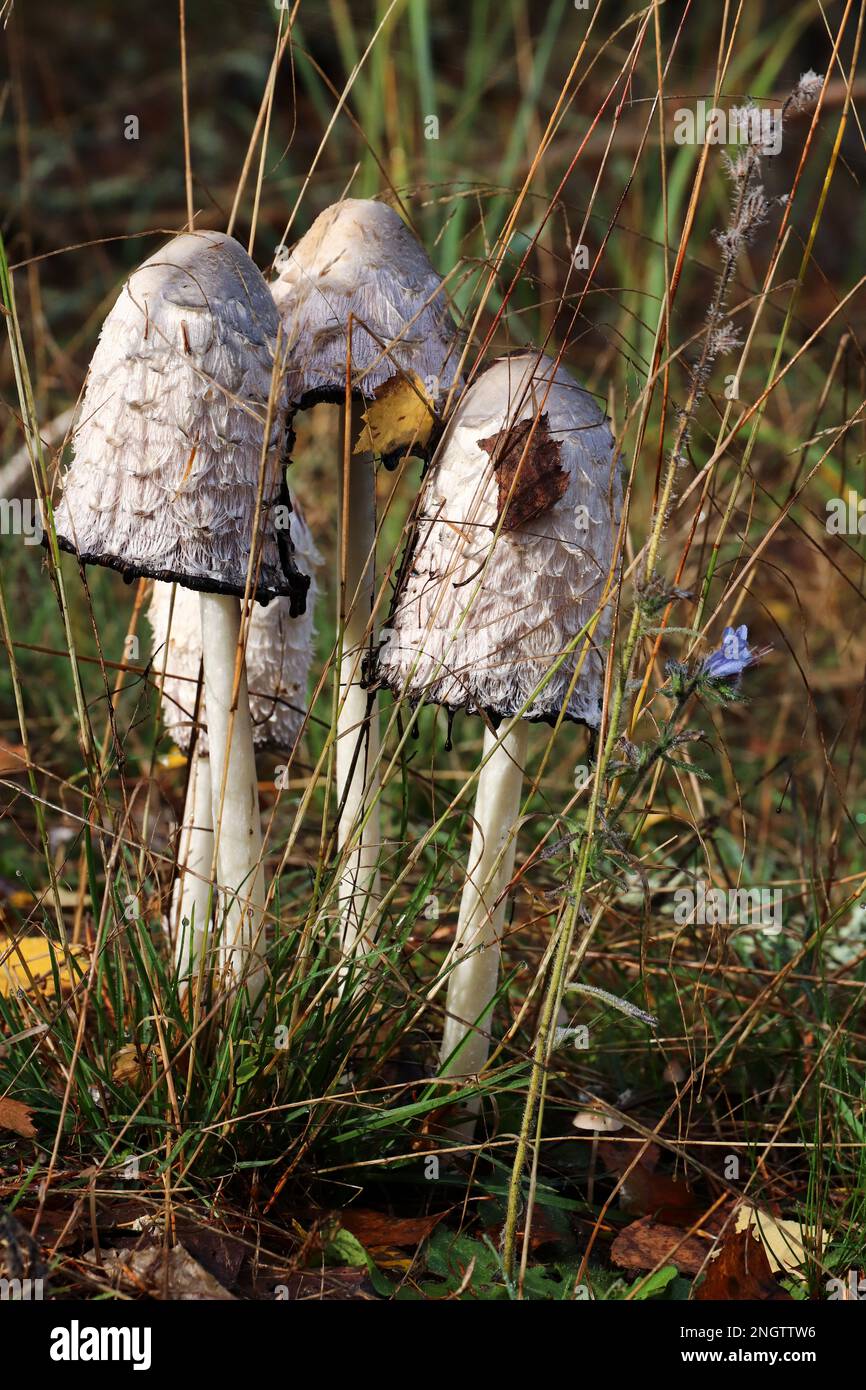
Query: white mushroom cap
[
  {"x": 167, "y": 462},
  {"x": 279, "y": 652},
  {"x": 360, "y": 258},
  {"x": 475, "y": 624},
  {"x": 598, "y": 1120}
]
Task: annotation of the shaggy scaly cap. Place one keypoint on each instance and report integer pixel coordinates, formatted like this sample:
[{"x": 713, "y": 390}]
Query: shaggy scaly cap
[
  {"x": 360, "y": 258},
  {"x": 165, "y": 477},
  {"x": 279, "y": 651},
  {"x": 475, "y": 624}
]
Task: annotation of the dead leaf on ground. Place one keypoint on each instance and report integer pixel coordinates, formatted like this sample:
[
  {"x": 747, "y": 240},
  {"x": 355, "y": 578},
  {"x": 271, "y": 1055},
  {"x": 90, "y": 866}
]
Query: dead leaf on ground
[
  {"x": 377, "y": 1231},
  {"x": 741, "y": 1270},
  {"x": 13, "y": 759},
  {"x": 540, "y": 477},
  {"x": 221, "y": 1253},
  {"x": 545, "y": 1229},
  {"x": 784, "y": 1241},
  {"x": 20, "y": 1256},
  {"x": 15, "y": 1115},
  {"x": 131, "y": 1064},
  {"x": 400, "y": 416},
  {"x": 647, "y": 1193},
  {"x": 670, "y": 1200},
  {"x": 58, "y": 1228},
  {"x": 171, "y": 1274},
  {"x": 618, "y": 1154},
  {"x": 33, "y": 954},
  {"x": 647, "y": 1243}
]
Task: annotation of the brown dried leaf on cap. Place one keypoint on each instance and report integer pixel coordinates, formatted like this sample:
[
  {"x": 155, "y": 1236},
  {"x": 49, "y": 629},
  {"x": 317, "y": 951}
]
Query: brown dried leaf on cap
[
  {"x": 400, "y": 416},
  {"x": 528, "y": 453}
]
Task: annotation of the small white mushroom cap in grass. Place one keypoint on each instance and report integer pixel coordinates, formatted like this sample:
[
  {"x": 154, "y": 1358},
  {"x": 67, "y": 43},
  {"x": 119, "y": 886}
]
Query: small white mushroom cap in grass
[
  {"x": 597, "y": 1121},
  {"x": 279, "y": 651},
  {"x": 512, "y": 551},
  {"x": 177, "y": 471},
  {"x": 360, "y": 262}
]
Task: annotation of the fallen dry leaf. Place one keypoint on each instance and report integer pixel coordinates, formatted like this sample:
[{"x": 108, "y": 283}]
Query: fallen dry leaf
[
  {"x": 221, "y": 1253},
  {"x": 171, "y": 1274},
  {"x": 130, "y": 1064},
  {"x": 669, "y": 1200},
  {"x": 58, "y": 1228},
  {"x": 784, "y": 1241},
  {"x": 33, "y": 954},
  {"x": 15, "y": 1115},
  {"x": 540, "y": 477},
  {"x": 647, "y": 1243},
  {"x": 376, "y": 1231},
  {"x": 13, "y": 759},
  {"x": 617, "y": 1154},
  {"x": 20, "y": 1255},
  {"x": 399, "y": 416},
  {"x": 647, "y": 1193},
  {"x": 542, "y": 1232},
  {"x": 741, "y": 1270}
]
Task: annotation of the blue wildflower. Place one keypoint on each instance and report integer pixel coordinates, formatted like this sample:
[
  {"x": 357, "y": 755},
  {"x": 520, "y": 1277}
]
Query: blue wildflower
[{"x": 733, "y": 656}]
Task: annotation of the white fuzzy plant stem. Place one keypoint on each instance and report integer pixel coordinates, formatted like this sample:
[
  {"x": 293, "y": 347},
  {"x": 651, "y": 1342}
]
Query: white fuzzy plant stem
[
  {"x": 192, "y": 899},
  {"x": 473, "y": 981},
  {"x": 358, "y": 733},
  {"x": 236, "y": 815}
]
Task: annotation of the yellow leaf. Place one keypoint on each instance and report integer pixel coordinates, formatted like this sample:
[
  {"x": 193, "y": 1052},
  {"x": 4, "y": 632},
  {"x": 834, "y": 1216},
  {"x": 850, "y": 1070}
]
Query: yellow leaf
[
  {"x": 33, "y": 954},
  {"x": 401, "y": 414},
  {"x": 173, "y": 759},
  {"x": 129, "y": 1063},
  {"x": 784, "y": 1241}
]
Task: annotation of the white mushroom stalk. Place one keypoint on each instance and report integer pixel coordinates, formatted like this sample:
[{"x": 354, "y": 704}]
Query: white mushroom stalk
[
  {"x": 474, "y": 980},
  {"x": 514, "y": 547},
  {"x": 358, "y": 731},
  {"x": 278, "y": 656},
  {"x": 359, "y": 262},
  {"x": 174, "y": 479},
  {"x": 234, "y": 790}
]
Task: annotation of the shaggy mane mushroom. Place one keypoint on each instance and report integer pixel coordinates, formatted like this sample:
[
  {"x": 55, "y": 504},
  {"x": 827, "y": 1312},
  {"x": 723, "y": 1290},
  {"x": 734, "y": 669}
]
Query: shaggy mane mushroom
[
  {"x": 359, "y": 270},
  {"x": 512, "y": 551},
  {"x": 177, "y": 471}
]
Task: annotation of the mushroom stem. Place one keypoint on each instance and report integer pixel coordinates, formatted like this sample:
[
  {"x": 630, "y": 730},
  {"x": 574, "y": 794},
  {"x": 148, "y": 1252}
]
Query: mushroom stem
[
  {"x": 192, "y": 896},
  {"x": 473, "y": 981},
  {"x": 358, "y": 713},
  {"x": 236, "y": 816}
]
